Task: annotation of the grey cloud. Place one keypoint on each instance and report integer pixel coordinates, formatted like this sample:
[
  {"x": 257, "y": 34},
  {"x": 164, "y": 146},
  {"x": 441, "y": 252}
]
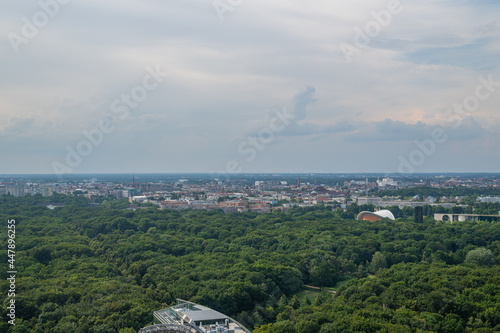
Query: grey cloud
[
  {"x": 18, "y": 126},
  {"x": 302, "y": 101},
  {"x": 298, "y": 126},
  {"x": 468, "y": 129},
  {"x": 295, "y": 129},
  {"x": 397, "y": 131}
]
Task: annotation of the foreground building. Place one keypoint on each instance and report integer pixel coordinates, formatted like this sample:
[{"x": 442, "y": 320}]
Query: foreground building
[{"x": 189, "y": 317}]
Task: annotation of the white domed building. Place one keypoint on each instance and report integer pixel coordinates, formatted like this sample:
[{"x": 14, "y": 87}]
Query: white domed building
[{"x": 375, "y": 216}]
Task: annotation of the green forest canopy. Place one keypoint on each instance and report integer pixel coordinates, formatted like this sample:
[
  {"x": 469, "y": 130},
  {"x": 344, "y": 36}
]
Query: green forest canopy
[{"x": 102, "y": 269}]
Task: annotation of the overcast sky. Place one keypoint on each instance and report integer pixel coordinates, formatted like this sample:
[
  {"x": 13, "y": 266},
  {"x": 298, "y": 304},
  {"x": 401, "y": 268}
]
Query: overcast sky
[{"x": 347, "y": 101}]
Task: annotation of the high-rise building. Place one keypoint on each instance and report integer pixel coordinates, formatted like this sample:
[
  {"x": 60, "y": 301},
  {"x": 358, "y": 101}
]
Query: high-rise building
[
  {"x": 15, "y": 191},
  {"x": 419, "y": 214},
  {"x": 265, "y": 186},
  {"x": 47, "y": 191}
]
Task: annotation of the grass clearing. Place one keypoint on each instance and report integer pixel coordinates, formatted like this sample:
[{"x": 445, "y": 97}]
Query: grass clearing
[
  {"x": 309, "y": 292},
  {"x": 337, "y": 285}
]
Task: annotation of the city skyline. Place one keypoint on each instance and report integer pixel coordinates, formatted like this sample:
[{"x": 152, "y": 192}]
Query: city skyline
[{"x": 250, "y": 87}]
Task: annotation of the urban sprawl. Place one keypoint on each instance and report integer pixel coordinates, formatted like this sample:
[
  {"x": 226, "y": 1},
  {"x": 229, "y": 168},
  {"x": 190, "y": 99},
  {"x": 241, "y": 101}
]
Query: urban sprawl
[{"x": 240, "y": 194}]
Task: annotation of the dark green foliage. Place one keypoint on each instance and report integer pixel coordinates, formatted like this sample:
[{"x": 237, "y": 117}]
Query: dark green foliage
[
  {"x": 103, "y": 269},
  {"x": 412, "y": 297},
  {"x": 378, "y": 262}
]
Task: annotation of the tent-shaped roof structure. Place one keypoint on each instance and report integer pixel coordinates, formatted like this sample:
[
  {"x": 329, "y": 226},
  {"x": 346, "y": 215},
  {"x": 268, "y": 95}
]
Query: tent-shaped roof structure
[{"x": 375, "y": 216}]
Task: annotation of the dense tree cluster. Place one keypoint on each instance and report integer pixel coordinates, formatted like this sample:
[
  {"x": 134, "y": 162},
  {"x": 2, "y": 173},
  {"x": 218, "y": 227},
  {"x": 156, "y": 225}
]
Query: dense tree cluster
[
  {"x": 411, "y": 297},
  {"x": 106, "y": 269}
]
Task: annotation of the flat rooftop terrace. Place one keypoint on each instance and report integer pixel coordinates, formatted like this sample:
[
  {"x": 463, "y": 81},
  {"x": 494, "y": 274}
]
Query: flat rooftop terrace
[{"x": 198, "y": 317}]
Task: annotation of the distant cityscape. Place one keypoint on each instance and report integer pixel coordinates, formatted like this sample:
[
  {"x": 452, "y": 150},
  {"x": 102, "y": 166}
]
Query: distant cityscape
[{"x": 259, "y": 193}]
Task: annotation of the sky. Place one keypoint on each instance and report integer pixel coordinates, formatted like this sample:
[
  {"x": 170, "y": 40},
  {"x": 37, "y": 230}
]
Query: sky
[{"x": 231, "y": 86}]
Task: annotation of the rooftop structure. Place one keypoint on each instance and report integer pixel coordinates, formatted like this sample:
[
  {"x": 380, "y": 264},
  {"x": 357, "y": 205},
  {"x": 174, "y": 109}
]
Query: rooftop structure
[{"x": 190, "y": 317}]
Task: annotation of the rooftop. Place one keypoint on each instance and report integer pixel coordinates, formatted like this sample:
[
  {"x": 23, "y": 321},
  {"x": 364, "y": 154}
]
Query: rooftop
[{"x": 198, "y": 317}]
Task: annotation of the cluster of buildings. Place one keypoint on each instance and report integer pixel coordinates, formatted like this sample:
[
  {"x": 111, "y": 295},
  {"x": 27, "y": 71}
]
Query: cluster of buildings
[
  {"x": 261, "y": 197},
  {"x": 16, "y": 190},
  {"x": 391, "y": 201},
  {"x": 237, "y": 195},
  {"x": 229, "y": 206},
  {"x": 489, "y": 199},
  {"x": 387, "y": 183}
]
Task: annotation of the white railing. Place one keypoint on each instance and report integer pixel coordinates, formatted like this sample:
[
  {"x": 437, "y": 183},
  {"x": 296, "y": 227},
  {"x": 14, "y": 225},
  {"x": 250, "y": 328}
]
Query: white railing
[{"x": 167, "y": 328}]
